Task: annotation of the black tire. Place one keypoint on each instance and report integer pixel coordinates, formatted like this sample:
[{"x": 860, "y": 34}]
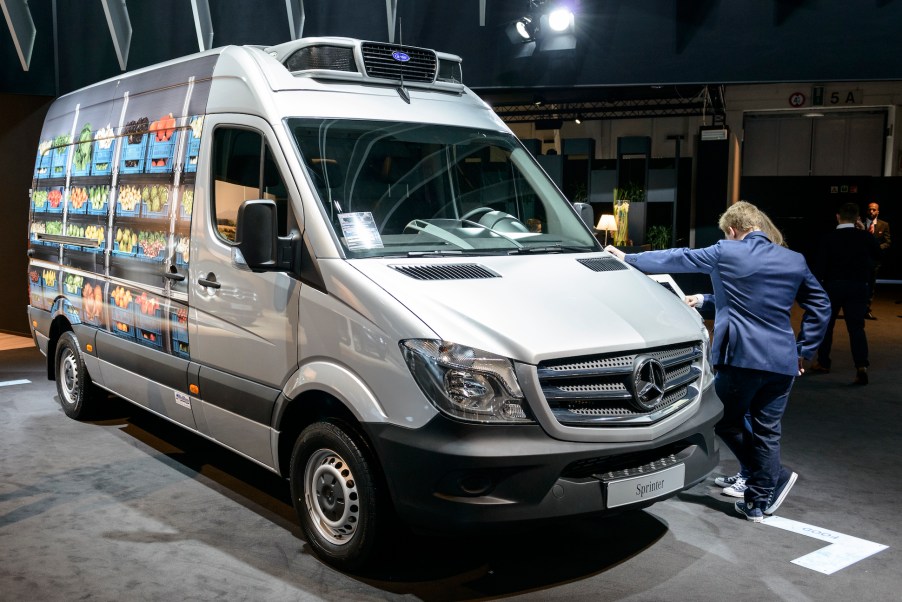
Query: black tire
[
  {"x": 335, "y": 492},
  {"x": 79, "y": 396}
]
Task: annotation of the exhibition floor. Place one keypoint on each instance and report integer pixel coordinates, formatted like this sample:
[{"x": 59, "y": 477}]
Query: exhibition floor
[{"x": 134, "y": 508}]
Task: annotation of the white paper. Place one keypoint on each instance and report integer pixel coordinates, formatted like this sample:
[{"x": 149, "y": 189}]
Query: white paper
[{"x": 360, "y": 230}]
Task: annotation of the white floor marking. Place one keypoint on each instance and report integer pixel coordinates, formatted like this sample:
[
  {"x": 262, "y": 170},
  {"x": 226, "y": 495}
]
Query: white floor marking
[
  {"x": 843, "y": 550},
  {"x": 9, "y": 383}
]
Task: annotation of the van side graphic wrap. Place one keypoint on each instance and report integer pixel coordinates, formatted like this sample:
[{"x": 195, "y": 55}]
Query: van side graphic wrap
[{"x": 112, "y": 200}]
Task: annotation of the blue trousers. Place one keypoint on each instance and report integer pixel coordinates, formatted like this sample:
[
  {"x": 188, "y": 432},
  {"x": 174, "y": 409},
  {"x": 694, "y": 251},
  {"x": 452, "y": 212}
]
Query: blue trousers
[{"x": 763, "y": 396}]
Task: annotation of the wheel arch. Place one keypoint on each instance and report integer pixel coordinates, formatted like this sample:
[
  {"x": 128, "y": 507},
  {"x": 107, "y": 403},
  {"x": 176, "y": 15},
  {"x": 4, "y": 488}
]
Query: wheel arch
[{"x": 307, "y": 408}]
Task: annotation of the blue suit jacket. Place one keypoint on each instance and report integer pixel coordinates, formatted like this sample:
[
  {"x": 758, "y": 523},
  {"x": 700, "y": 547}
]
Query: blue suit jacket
[{"x": 755, "y": 285}]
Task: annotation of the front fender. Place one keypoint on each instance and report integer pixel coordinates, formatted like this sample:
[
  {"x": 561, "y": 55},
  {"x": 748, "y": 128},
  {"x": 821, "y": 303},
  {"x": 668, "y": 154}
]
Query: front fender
[{"x": 339, "y": 382}]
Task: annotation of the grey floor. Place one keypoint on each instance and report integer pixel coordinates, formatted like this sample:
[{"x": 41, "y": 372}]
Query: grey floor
[{"x": 132, "y": 508}]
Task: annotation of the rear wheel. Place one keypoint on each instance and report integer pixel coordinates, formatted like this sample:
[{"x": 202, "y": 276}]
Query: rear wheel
[
  {"x": 335, "y": 494},
  {"x": 78, "y": 395}
]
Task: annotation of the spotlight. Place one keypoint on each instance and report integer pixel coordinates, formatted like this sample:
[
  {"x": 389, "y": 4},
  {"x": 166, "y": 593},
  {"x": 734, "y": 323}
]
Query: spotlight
[
  {"x": 578, "y": 120},
  {"x": 560, "y": 20},
  {"x": 522, "y": 30}
]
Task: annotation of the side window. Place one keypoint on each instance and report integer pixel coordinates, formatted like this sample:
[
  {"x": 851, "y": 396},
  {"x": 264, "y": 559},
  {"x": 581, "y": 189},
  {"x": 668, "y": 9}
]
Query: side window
[{"x": 244, "y": 169}]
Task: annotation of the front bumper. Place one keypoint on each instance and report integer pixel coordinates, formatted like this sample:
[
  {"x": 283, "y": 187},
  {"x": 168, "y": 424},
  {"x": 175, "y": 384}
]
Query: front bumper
[{"x": 450, "y": 475}]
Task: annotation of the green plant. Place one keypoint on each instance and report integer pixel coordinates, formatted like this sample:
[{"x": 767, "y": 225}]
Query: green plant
[
  {"x": 658, "y": 236},
  {"x": 630, "y": 192}
]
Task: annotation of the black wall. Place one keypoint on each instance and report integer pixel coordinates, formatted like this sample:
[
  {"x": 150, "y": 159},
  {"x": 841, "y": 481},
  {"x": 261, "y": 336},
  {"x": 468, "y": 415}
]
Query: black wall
[
  {"x": 618, "y": 41},
  {"x": 20, "y": 127}
]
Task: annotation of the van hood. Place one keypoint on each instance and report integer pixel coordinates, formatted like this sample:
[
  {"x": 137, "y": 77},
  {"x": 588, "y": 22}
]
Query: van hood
[{"x": 533, "y": 308}]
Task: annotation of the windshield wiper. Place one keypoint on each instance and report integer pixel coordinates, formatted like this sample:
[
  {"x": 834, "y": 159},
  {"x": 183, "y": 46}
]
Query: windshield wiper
[
  {"x": 436, "y": 253},
  {"x": 549, "y": 249}
]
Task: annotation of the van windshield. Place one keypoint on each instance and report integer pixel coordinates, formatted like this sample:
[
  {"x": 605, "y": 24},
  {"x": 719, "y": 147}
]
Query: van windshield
[{"x": 393, "y": 189}]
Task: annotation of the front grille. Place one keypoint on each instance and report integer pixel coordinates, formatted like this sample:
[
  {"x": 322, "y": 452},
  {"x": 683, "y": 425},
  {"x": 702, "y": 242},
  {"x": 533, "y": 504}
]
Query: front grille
[
  {"x": 461, "y": 271},
  {"x": 596, "y": 391},
  {"x": 379, "y": 62}
]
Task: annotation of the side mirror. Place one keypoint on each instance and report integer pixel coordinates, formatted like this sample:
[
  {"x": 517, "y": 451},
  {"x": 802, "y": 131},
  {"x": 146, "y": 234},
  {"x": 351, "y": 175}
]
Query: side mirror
[
  {"x": 256, "y": 233},
  {"x": 257, "y": 237}
]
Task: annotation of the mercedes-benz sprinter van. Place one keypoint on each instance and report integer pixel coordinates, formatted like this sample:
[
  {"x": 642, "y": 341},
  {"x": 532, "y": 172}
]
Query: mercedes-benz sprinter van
[{"x": 332, "y": 258}]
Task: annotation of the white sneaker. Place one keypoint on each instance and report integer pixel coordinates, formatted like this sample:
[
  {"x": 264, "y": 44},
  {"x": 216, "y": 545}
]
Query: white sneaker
[{"x": 737, "y": 489}]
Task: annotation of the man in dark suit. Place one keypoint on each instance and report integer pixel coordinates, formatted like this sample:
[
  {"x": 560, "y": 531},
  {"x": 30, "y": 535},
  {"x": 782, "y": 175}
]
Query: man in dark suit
[
  {"x": 879, "y": 229},
  {"x": 754, "y": 349},
  {"x": 842, "y": 255}
]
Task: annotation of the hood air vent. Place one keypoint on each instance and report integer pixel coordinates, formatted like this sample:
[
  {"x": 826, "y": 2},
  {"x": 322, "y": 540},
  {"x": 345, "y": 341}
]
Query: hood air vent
[
  {"x": 462, "y": 271},
  {"x": 389, "y": 61},
  {"x": 603, "y": 264}
]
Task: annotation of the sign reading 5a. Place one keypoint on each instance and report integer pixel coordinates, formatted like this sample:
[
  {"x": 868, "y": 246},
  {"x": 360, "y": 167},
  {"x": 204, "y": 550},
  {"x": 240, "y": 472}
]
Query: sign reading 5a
[{"x": 821, "y": 97}]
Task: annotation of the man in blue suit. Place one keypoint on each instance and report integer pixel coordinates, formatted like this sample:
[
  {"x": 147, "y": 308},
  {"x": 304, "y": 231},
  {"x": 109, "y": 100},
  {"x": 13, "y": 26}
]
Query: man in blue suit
[{"x": 754, "y": 349}]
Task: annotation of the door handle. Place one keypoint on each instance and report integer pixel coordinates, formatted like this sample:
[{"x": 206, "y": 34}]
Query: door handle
[
  {"x": 173, "y": 275},
  {"x": 209, "y": 281}
]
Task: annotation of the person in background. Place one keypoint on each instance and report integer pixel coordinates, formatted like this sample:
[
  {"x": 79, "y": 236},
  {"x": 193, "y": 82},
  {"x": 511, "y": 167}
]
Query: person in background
[
  {"x": 879, "y": 229},
  {"x": 838, "y": 265},
  {"x": 734, "y": 485},
  {"x": 754, "y": 350}
]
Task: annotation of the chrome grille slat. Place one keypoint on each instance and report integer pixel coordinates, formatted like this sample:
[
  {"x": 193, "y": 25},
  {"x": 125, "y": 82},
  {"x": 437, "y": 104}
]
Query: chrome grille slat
[{"x": 596, "y": 390}]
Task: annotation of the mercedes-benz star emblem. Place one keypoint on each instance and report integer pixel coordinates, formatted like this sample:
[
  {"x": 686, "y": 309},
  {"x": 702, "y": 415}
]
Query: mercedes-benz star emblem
[{"x": 648, "y": 382}]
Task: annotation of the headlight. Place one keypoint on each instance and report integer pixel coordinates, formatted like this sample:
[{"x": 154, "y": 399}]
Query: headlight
[{"x": 466, "y": 383}]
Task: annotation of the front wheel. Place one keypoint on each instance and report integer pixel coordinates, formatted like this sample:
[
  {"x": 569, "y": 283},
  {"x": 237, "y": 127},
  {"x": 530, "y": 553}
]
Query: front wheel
[
  {"x": 334, "y": 492},
  {"x": 78, "y": 395}
]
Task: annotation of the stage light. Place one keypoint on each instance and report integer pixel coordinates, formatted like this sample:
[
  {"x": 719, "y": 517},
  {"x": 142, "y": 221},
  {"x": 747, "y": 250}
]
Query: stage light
[{"x": 560, "y": 20}]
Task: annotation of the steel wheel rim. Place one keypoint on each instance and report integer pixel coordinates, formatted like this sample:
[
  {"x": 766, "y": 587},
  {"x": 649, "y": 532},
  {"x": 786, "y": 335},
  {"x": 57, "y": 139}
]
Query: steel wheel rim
[
  {"x": 331, "y": 497},
  {"x": 69, "y": 375}
]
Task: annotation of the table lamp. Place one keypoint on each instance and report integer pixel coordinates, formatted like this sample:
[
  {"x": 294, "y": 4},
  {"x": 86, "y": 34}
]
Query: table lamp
[{"x": 607, "y": 223}]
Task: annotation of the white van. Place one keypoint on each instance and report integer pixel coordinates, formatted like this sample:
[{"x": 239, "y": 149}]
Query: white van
[{"x": 332, "y": 258}]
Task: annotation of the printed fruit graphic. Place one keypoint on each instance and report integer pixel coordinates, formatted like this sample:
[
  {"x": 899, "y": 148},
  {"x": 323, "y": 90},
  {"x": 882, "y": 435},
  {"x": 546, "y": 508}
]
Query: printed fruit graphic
[
  {"x": 121, "y": 296},
  {"x": 129, "y": 197},
  {"x": 77, "y": 197},
  {"x": 127, "y": 240},
  {"x": 93, "y": 300},
  {"x": 54, "y": 197},
  {"x": 49, "y": 277},
  {"x": 84, "y": 148},
  {"x": 148, "y": 304},
  {"x": 163, "y": 128}
]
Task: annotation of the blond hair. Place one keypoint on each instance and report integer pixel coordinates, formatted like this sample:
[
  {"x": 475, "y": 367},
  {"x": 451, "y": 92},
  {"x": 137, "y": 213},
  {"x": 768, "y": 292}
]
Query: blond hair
[{"x": 742, "y": 216}]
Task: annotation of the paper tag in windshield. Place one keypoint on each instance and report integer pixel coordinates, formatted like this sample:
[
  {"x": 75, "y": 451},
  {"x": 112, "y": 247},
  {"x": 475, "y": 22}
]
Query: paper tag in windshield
[{"x": 360, "y": 230}]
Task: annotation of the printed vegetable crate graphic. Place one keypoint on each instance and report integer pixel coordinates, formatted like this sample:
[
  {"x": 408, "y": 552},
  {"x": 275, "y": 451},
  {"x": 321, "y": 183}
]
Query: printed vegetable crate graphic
[
  {"x": 58, "y": 162},
  {"x": 131, "y": 160},
  {"x": 72, "y": 285},
  {"x": 78, "y": 200},
  {"x": 55, "y": 200},
  {"x": 151, "y": 245},
  {"x": 82, "y": 151},
  {"x": 155, "y": 200},
  {"x": 126, "y": 242},
  {"x": 92, "y": 302},
  {"x": 193, "y": 149},
  {"x": 128, "y": 201},
  {"x": 178, "y": 331},
  {"x": 161, "y": 147},
  {"x": 98, "y": 200},
  {"x": 134, "y": 146},
  {"x": 36, "y": 289},
  {"x": 42, "y": 164},
  {"x": 149, "y": 321},
  {"x": 102, "y": 161},
  {"x": 39, "y": 199},
  {"x": 122, "y": 313}
]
